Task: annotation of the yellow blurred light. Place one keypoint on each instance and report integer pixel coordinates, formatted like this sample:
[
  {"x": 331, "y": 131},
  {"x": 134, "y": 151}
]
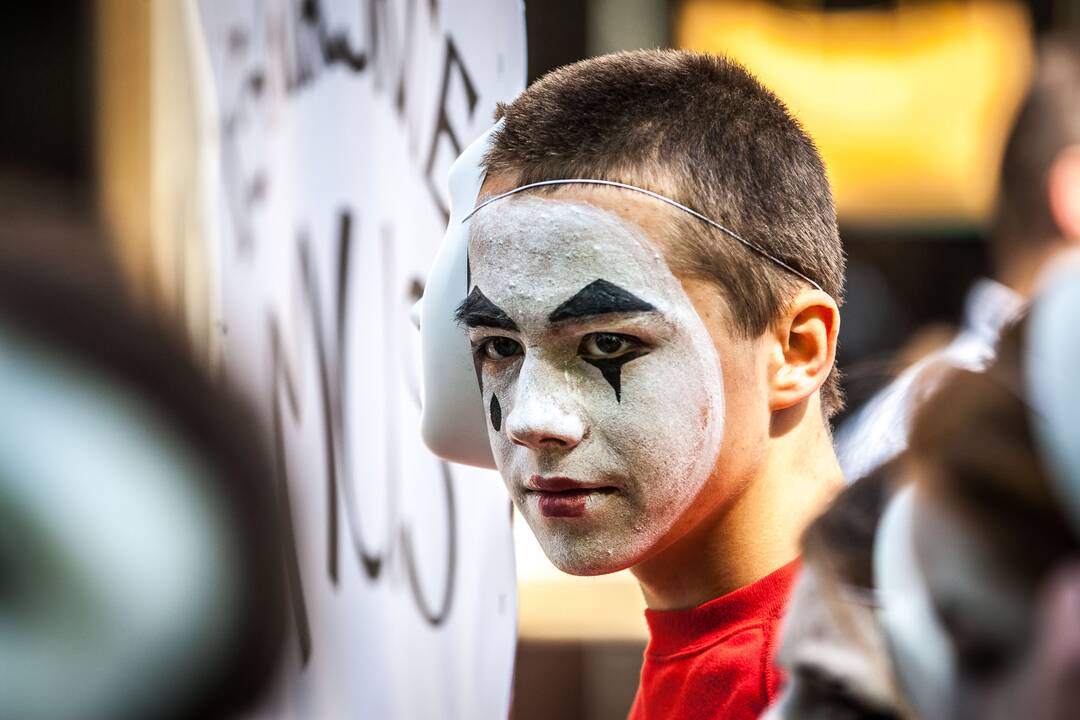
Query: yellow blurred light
[{"x": 909, "y": 107}]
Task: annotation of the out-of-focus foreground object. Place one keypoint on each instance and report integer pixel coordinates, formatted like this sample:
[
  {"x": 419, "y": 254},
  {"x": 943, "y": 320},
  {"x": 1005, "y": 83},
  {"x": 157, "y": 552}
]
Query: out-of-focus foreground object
[
  {"x": 1052, "y": 357},
  {"x": 832, "y": 646},
  {"x": 990, "y": 535},
  {"x": 138, "y": 543},
  {"x": 922, "y": 658}
]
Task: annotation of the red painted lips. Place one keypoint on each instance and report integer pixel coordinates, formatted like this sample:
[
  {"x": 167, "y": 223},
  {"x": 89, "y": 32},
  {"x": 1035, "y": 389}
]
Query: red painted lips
[{"x": 563, "y": 497}]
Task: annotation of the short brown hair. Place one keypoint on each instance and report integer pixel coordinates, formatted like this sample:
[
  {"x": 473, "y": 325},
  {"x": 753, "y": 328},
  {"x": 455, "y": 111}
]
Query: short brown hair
[{"x": 701, "y": 130}]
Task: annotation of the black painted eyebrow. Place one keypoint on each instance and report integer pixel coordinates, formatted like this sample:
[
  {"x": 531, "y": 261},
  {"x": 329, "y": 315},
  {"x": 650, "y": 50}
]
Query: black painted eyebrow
[
  {"x": 477, "y": 311},
  {"x": 599, "y": 297}
]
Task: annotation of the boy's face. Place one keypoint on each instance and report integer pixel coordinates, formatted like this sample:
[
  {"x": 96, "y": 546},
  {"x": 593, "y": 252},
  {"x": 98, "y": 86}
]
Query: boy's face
[{"x": 602, "y": 383}]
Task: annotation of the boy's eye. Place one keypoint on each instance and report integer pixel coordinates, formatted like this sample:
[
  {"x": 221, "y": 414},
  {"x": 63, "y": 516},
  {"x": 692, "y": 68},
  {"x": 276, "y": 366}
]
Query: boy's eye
[
  {"x": 607, "y": 345},
  {"x": 500, "y": 348}
]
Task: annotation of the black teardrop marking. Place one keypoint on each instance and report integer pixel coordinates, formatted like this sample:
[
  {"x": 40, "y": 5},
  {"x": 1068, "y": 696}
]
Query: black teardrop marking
[
  {"x": 611, "y": 369},
  {"x": 496, "y": 413}
]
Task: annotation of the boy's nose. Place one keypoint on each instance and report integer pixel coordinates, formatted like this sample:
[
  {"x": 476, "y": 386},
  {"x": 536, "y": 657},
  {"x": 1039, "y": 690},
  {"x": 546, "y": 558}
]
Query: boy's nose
[
  {"x": 563, "y": 431},
  {"x": 540, "y": 420}
]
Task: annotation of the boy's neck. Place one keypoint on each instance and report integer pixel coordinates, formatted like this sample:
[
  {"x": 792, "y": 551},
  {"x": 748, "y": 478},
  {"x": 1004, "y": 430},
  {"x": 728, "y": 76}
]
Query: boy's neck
[{"x": 756, "y": 532}]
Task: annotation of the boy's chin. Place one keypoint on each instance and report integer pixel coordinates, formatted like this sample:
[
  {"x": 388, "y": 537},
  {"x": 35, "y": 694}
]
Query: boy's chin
[{"x": 585, "y": 562}]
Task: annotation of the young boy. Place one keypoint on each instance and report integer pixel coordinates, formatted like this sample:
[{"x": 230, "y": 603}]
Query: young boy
[{"x": 654, "y": 343}]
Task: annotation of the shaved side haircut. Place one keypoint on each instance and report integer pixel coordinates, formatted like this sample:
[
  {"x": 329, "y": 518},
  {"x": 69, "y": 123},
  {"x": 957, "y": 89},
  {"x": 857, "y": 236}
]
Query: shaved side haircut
[{"x": 701, "y": 130}]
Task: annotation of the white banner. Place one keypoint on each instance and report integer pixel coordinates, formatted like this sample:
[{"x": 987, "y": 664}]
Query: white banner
[{"x": 338, "y": 122}]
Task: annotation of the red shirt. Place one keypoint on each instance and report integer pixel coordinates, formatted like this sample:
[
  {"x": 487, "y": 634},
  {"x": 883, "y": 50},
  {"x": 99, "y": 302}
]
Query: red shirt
[{"x": 716, "y": 660}]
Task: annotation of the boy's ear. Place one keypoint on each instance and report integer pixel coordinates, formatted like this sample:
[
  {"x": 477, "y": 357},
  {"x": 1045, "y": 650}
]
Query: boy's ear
[{"x": 804, "y": 349}]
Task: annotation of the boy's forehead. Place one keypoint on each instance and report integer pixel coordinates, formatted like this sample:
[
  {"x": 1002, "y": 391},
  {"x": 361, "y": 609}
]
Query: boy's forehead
[
  {"x": 654, "y": 219},
  {"x": 544, "y": 245}
]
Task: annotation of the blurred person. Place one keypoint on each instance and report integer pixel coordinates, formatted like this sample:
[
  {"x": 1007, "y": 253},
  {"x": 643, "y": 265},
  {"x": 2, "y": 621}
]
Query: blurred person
[
  {"x": 989, "y": 536},
  {"x": 1052, "y": 345},
  {"x": 831, "y": 645},
  {"x": 1036, "y": 223},
  {"x": 138, "y": 546},
  {"x": 658, "y": 385}
]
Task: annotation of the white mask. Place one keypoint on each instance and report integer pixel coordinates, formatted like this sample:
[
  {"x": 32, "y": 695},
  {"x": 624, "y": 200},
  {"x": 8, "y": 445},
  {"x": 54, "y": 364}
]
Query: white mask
[
  {"x": 921, "y": 654},
  {"x": 603, "y": 388},
  {"x": 1052, "y": 344},
  {"x": 452, "y": 420}
]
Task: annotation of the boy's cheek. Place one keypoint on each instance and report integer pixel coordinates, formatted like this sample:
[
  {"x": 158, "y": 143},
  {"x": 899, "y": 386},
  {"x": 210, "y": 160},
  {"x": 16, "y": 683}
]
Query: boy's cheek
[{"x": 745, "y": 370}]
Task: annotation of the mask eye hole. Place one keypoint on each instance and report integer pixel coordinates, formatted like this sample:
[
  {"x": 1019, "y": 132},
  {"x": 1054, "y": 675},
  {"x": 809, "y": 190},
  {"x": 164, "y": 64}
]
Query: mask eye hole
[
  {"x": 604, "y": 346},
  {"x": 500, "y": 348},
  {"x": 980, "y": 656}
]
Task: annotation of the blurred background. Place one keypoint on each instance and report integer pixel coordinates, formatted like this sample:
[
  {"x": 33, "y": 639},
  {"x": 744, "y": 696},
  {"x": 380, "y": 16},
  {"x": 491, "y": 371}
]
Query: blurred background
[{"x": 909, "y": 103}]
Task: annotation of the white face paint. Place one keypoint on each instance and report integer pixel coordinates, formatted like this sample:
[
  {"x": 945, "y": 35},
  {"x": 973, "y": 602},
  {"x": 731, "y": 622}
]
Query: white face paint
[
  {"x": 834, "y": 653},
  {"x": 603, "y": 387}
]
